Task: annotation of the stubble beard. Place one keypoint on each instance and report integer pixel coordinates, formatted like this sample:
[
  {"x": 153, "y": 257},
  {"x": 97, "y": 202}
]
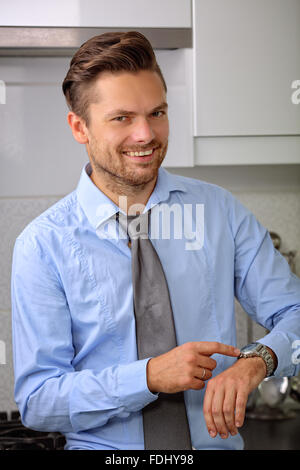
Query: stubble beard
[{"x": 118, "y": 174}]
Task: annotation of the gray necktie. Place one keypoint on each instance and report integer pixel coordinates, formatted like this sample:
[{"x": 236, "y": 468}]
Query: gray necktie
[{"x": 165, "y": 420}]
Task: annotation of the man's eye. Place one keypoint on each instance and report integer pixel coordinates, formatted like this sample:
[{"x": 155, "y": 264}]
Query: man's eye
[
  {"x": 158, "y": 114},
  {"x": 120, "y": 118}
]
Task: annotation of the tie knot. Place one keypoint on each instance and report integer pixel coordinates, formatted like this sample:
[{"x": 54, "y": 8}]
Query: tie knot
[{"x": 137, "y": 226}]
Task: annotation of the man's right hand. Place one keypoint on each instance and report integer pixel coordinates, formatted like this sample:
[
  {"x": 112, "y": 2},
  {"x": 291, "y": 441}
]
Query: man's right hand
[{"x": 182, "y": 368}]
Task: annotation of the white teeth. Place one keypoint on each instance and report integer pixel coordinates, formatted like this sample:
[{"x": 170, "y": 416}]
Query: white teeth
[{"x": 139, "y": 154}]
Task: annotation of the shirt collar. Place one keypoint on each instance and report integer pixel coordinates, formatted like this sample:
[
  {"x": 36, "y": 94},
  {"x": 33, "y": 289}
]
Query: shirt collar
[{"x": 98, "y": 207}]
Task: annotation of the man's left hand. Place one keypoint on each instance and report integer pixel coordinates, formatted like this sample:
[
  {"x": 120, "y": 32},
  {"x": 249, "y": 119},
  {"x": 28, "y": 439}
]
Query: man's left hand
[{"x": 226, "y": 395}]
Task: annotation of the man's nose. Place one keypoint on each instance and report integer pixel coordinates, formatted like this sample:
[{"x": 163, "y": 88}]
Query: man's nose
[{"x": 142, "y": 131}]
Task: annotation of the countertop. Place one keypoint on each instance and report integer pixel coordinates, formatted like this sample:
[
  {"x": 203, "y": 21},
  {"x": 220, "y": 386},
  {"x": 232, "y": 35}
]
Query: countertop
[{"x": 281, "y": 434}]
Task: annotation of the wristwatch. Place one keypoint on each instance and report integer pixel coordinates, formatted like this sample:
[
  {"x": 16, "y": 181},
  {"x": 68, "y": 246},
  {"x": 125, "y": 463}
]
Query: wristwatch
[{"x": 259, "y": 350}]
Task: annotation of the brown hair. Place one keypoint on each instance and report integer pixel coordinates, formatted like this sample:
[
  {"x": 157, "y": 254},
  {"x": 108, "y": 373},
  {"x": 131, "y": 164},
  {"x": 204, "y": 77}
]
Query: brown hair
[{"x": 113, "y": 52}]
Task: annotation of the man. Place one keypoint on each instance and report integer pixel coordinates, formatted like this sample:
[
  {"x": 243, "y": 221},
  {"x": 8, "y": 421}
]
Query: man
[{"x": 75, "y": 351}]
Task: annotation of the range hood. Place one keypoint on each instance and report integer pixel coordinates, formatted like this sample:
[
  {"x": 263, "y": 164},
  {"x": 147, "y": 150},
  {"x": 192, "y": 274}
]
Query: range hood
[{"x": 62, "y": 41}]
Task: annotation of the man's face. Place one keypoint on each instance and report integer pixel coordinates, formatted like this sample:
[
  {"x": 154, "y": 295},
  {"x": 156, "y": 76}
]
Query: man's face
[{"x": 130, "y": 116}]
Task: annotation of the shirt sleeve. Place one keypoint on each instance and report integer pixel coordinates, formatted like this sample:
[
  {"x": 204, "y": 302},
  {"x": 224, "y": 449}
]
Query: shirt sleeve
[
  {"x": 51, "y": 395},
  {"x": 266, "y": 288}
]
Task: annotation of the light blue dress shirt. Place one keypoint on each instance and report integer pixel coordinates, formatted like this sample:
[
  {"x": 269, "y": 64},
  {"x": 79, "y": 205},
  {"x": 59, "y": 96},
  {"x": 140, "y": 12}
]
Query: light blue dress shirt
[{"x": 74, "y": 345}]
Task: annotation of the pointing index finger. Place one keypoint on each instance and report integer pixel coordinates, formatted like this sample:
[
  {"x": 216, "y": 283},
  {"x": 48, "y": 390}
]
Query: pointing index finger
[{"x": 208, "y": 348}]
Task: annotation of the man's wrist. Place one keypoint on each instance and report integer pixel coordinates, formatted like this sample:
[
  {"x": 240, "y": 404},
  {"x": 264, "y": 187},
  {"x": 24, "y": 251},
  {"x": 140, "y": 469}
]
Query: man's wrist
[{"x": 254, "y": 363}]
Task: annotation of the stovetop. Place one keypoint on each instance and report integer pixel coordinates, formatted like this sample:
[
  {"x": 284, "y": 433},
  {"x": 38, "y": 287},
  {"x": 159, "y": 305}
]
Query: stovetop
[{"x": 15, "y": 436}]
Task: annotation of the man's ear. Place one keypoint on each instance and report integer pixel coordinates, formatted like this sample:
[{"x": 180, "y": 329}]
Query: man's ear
[{"x": 78, "y": 127}]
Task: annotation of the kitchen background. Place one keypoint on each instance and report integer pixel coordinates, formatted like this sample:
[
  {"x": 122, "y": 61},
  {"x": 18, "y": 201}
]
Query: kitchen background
[{"x": 232, "y": 70}]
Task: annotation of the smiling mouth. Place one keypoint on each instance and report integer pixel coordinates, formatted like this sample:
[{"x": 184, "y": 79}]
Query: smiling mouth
[{"x": 144, "y": 153}]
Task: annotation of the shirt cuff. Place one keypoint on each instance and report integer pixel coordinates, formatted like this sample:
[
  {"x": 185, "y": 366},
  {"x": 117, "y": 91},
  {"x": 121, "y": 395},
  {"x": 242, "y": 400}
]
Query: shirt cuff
[
  {"x": 134, "y": 393},
  {"x": 282, "y": 348}
]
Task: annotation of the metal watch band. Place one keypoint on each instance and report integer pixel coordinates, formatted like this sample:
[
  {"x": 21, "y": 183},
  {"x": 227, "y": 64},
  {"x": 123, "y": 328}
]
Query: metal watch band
[{"x": 264, "y": 353}]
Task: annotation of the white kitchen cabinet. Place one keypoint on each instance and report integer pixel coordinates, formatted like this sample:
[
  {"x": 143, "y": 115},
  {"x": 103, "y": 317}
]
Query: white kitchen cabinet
[
  {"x": 97, "y": 13},
  {"x": 246, "y": 58},
  {"x": 177, "y": 69},
  {"x": 247, "y": 150}
]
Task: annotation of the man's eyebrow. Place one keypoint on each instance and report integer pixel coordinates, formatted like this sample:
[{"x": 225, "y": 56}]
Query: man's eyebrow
[
  {"x": 126, "y": 112},
  {"x": 163, "y": 105}
]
